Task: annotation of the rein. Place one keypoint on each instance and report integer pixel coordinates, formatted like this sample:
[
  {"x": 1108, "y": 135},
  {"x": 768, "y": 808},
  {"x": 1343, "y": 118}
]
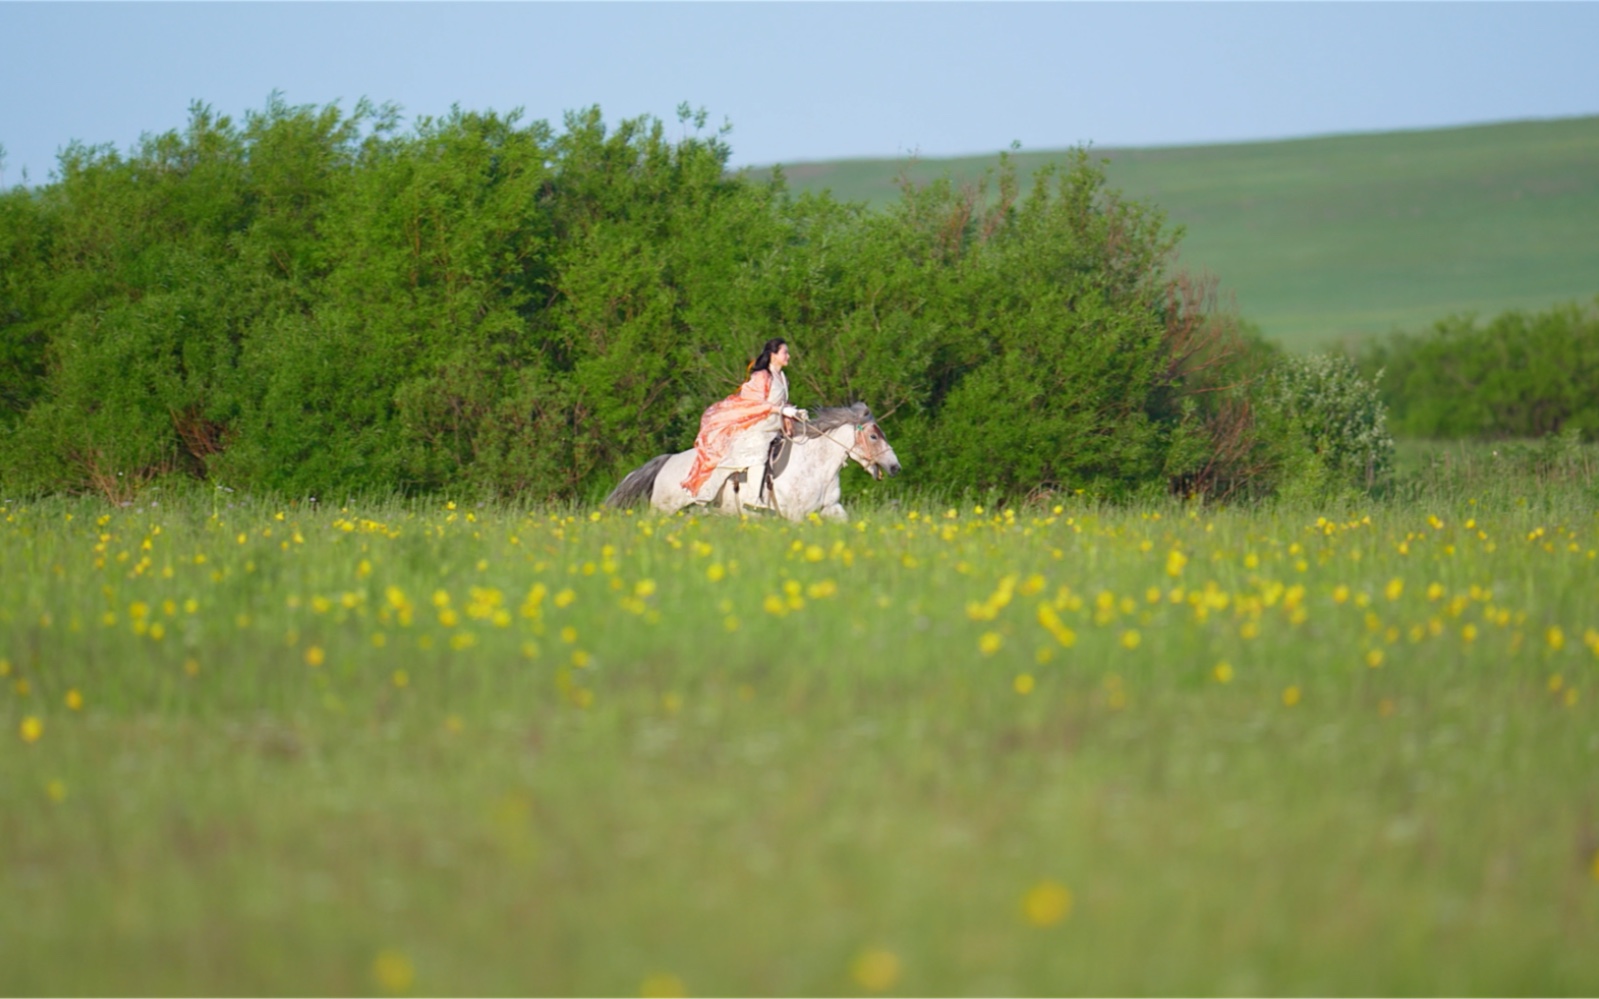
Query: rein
[{"x": 860, "y": 428}]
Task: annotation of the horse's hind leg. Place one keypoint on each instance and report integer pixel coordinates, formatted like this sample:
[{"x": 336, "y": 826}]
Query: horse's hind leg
[
  {"x": 669, "y": 499},
  {"x": 729, "y": 497}
]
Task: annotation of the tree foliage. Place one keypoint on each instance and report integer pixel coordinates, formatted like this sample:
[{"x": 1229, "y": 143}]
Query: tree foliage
[
  {"x": 1518, "y": 375},
  {"x": 314, "y": 302}
]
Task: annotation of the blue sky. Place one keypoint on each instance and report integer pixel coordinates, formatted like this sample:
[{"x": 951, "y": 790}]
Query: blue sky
[{"x": 810, "y": 80}]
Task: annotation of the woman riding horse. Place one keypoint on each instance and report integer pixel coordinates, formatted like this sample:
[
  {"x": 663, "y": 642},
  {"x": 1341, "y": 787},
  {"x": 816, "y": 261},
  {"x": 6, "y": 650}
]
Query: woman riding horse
[{"x": 735, "y": 432}]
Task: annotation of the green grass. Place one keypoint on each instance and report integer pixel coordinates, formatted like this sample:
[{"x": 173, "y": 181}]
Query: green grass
[
  {"x": 359, "y": 751},
  {"x": 1331, "y": 238}
]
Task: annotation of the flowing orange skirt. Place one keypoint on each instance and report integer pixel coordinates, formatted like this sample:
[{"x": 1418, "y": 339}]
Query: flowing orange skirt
[{"x": 742, "y": 411}]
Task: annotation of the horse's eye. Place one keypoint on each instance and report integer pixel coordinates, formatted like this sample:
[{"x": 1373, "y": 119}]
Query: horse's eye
[{"x": 874, "y": 437}]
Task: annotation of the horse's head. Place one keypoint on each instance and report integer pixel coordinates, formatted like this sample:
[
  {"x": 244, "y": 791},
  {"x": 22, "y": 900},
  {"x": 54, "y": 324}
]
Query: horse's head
[
  {"x": 855, "y": 429},
  {"x": 871, "y": 449}
]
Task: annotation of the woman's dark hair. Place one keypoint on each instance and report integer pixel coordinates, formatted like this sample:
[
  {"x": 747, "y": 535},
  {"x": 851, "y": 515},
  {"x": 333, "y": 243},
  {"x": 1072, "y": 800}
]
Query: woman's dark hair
[{"x": 764, "y": 362}]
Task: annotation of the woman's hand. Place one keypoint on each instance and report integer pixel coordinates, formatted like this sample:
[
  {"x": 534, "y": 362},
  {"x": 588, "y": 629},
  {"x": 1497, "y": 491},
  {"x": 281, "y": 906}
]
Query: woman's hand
[{"x": 795, "y": 414}]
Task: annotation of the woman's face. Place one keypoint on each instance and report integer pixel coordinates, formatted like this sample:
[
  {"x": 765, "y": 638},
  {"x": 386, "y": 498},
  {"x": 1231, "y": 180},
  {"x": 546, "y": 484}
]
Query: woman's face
[{"x": 780, "y": 358}]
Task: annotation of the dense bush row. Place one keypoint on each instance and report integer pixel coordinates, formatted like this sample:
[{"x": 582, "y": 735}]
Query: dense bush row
[
  {"x": 1519, "y": 375},
  {"x": 314, "y": 302}
]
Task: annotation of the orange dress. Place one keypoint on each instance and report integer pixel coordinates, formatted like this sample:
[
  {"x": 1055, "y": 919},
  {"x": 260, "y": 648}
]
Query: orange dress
[{"x": 758, "y": 401}]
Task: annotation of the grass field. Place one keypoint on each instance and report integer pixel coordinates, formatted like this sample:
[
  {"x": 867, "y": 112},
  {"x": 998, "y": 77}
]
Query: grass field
[
  {"x": 259, "y": 749},
  {"x": 1327, "y": 238}
]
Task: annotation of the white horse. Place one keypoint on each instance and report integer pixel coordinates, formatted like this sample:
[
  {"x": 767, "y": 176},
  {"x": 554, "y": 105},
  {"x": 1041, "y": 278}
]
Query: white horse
[{"x": 804, "y": 478}]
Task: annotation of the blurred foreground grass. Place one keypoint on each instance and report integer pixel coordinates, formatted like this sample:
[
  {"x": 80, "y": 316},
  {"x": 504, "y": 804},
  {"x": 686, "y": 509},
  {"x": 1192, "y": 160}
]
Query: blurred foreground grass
[{"x": 426, "y": 749}]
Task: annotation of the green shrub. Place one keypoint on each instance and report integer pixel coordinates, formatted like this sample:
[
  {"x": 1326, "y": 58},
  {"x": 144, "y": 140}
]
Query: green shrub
[
  {"x": 24, "y": 281},
  {"x": 1325, "y": 425},
  {"x": 1520, "y": 374}
]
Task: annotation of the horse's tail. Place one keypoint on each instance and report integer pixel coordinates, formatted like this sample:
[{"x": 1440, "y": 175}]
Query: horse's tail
[{"x": 638, "y": 483}]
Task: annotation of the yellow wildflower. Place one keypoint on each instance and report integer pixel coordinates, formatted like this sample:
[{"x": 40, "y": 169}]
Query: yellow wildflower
[
  {"x": 662, "y": 985},
  {"x": 393, "y": 970},
  {"x": 1052, "y": 623},
  {"x": 1046, "y": 904},
  {"x": 822, "y": 590},
  {"x": 877, "y": 970}
]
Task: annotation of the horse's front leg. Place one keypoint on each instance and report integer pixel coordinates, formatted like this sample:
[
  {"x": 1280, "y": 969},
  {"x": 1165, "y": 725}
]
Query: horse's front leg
[{"x": 829, "y": 505}]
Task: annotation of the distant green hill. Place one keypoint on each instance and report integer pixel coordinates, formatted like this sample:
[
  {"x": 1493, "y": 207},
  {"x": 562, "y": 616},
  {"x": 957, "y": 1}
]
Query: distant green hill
[{"x": 1323, "y": 239}]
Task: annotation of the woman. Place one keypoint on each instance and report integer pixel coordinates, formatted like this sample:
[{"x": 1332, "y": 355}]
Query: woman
[{"x": 746, "y": 420}]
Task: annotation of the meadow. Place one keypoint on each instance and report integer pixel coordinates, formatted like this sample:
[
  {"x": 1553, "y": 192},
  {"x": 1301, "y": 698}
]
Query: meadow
[
  {"x": 1063, "y": 748},
  {"x": 1335, "y": 238}
]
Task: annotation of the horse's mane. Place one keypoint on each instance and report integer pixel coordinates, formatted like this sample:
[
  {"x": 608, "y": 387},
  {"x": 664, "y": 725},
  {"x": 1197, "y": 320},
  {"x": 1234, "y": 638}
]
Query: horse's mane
[{"x": 832, "y": 417}]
